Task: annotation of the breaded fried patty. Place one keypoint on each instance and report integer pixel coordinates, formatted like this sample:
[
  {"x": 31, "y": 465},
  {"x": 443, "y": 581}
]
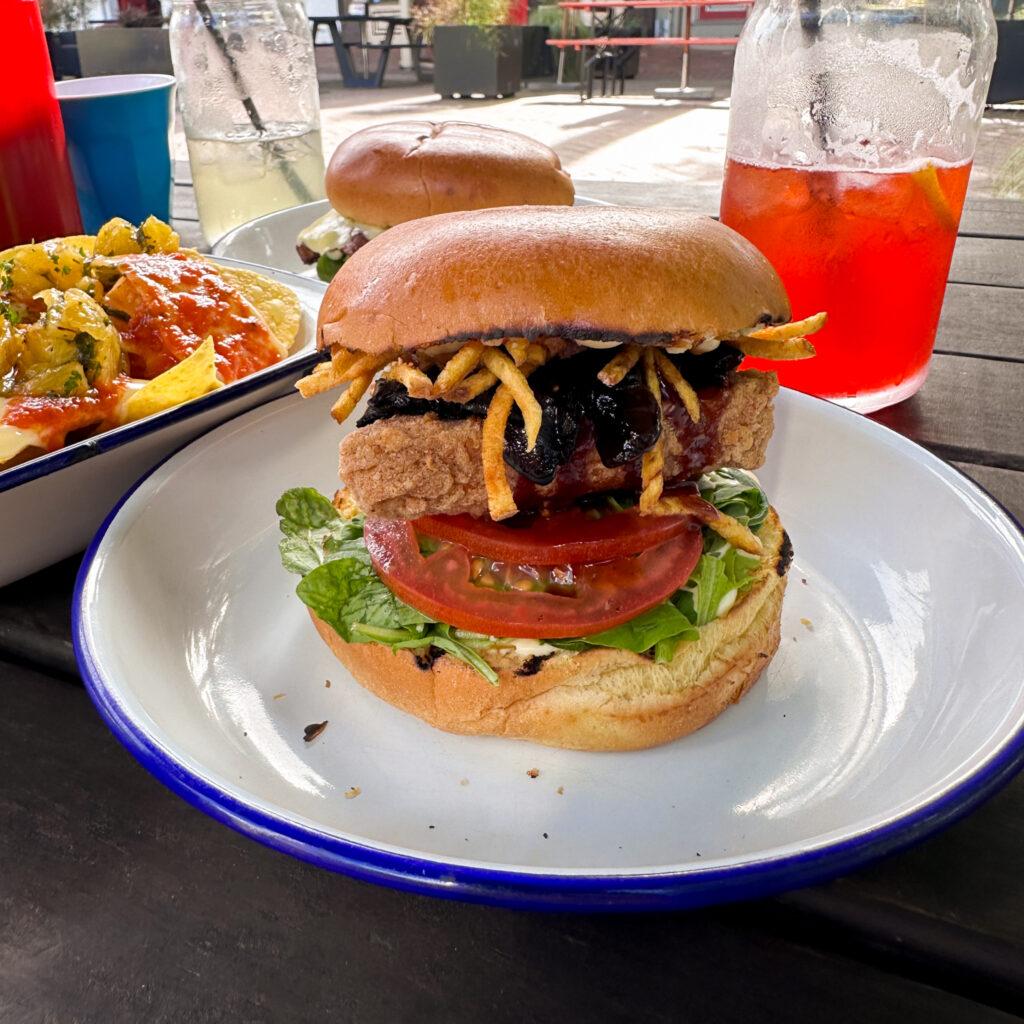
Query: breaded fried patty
[{"x": 409, "y": 466}]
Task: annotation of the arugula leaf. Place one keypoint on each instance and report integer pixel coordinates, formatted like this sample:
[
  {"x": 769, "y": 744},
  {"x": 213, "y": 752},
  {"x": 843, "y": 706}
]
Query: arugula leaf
[
  {"x": 314, "y": 532},
  {"x": 339, "y": 583},
  {"x": 737, "y": 494},
  {"x": 721, "y": 570},
  {"x": 346, "y": 592},
  {"x": 645, "y": 631}
]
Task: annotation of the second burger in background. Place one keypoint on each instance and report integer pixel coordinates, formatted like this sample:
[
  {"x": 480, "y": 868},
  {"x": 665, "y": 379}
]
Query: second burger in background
[{"x": 391, "y": 173}]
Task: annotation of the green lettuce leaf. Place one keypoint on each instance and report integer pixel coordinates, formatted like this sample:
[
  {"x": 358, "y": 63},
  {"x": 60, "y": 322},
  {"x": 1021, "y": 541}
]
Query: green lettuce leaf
[
  {"x": 340, "y": 585},
  {"x": 314, "y": 532},
  {"x": 736, "y": 493}
]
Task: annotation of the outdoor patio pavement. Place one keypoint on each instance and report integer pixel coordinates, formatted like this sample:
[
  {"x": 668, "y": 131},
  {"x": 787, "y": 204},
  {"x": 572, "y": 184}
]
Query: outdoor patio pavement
[{"x": 632, "y": 138}]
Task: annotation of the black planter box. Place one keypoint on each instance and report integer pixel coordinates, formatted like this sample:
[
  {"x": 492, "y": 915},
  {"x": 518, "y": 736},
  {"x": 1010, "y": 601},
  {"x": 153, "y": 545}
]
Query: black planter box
[
  {"x": 538, "y": 57},
  {"x": 1008, "y": 74},
  {"x": 473, "y": 61}
]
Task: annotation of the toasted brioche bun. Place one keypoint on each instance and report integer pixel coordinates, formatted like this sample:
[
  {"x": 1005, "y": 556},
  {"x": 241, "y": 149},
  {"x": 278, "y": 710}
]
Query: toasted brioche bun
[
  {"x": 656, "y": 277},
  {"x": 599, "y": 699},
  {"x": 391, "y": 173}
]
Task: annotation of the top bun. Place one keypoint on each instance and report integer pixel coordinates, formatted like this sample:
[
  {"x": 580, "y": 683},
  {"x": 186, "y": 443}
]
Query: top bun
[
  {"x": 603, "y": 273},
  {"x": 391, "y": 173}
]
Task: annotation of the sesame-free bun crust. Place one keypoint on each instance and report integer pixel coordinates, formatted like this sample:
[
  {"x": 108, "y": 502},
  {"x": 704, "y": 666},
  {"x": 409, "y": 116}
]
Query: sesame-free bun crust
[
  {"x": 390, "y": 173},
  {"x": 599, "y": 699},
  {"x": 609, "y": 273}
]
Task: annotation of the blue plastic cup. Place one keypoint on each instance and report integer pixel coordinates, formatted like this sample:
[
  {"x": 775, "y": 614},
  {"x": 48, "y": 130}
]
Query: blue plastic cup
[{"x": 118, "y": 130}]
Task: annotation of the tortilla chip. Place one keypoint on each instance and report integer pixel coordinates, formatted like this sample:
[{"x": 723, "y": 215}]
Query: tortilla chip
[
  {"x": 191, "y": 378},
  {"x": 275, "y": 302},
  {"x": 14, "y": 442}
]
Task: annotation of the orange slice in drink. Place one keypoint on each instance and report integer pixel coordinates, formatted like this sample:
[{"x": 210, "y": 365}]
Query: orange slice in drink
[{"x": 927, "y": 180}]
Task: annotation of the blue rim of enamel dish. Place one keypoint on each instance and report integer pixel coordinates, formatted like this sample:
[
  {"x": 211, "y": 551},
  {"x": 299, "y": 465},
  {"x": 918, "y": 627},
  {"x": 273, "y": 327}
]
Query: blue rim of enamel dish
[
  {"x": 543, "y": 890},
  {"x": 43, "y": 465}
]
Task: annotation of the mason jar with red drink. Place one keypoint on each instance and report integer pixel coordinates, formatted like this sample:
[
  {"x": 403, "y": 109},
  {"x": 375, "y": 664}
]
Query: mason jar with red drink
[{"x": 851, "y": 136}]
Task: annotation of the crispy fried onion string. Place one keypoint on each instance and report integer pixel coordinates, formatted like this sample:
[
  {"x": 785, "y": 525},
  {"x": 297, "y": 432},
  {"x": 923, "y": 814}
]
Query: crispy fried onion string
[
  {"x": 458, "y": 368},
  {"x": 323, "y": 378},
  {"x": 671, "y": 376},
  {"x": 779, "y": 350},
  {"x": 344, "y": 406},
  {"x": 730, "y": 529},
  {"x": 518, "y": 349},
  {"x": 500, "y": 503},
  {"x": 780, "y": 341},
  {"x": 652, "y": 468},
  {"x": 475, "y": 384},
  {"x": 416, "y": 382},
  {"x": 511, "y": 377},
  {"x": 795, "y": 329},
  {"x": 619, "y": 365},
  {"x": 343, "y": 366}
]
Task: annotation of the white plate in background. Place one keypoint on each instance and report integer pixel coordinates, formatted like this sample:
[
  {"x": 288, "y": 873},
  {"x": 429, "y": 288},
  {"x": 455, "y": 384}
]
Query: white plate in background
[
  {"x": 270, "y": 240},
  {"x": 894, "y": 705},
  {"x": 50, "y": 506}
]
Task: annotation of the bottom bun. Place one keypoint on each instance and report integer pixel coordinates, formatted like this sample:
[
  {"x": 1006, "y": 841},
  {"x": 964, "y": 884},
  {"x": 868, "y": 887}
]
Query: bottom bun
[{"x": 599, "y": 699}]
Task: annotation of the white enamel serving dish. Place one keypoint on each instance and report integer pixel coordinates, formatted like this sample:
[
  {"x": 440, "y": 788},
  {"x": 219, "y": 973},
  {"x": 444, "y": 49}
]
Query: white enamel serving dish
[
  {"x": 51, "y": 505},
  {"x": 894, "y": 705},
  {"x": 270, "y": 239}
]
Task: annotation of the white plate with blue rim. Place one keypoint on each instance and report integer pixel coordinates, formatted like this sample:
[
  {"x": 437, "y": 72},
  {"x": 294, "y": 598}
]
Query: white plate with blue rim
[
  {"x": 51, "y": 506},
  {"x": 894, "y": 705},
  {"x": 270, "y": 239}
]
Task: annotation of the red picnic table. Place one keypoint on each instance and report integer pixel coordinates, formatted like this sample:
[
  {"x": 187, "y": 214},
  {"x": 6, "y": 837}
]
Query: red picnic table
[{"x": 609, "y": 48}]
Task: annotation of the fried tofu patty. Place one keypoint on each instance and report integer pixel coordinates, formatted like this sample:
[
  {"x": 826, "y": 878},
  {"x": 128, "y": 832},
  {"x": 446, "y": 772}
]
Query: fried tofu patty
[{"x": 410, "y": 466}]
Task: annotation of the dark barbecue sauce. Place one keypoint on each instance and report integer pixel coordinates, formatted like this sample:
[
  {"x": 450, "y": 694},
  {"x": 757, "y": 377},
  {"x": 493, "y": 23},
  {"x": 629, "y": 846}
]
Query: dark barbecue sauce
[{"x": 580, "y": 414}]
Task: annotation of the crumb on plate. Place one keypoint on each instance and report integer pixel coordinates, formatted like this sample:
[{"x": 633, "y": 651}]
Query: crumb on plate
[{"x": 313, "y": 730}]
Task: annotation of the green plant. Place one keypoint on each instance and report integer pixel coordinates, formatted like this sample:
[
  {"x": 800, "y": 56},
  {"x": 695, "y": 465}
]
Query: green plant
[
  {"x": 478, "y": 13},
  {"x": 63, "y": 15}
]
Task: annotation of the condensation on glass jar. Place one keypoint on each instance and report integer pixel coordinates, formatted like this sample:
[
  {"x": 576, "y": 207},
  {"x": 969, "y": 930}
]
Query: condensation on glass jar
[
  {"x": 250, "y": 105},
  {"x": 851, "y": 135}
]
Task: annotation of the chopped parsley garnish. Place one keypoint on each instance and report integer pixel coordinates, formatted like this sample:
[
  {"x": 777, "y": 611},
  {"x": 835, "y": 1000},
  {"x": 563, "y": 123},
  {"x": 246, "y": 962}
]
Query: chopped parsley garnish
[{"x": 86, "y": 346}]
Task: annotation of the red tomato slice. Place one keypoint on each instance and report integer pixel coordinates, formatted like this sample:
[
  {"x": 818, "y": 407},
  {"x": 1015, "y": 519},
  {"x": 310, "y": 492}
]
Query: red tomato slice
[
  {"x": 606, "y": 594},
  {"x": 564, "y": 538}
]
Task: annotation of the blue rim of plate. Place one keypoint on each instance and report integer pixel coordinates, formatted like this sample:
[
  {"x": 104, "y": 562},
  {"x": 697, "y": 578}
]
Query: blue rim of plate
[
  {"x": 530, "y": 890},
  {"x": 43, "y": 465}
]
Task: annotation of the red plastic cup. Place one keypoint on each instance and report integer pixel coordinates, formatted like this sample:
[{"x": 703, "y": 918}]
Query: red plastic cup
[{"x": 37, "y": 191}]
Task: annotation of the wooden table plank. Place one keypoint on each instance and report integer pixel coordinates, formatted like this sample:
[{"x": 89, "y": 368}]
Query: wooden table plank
[
  {"x": 122, "y": 902},
  {"x": 988, "y": 261},
  {"x": 1005, "y": 485},
  {"x": 982, "y": 321},
  {"x": 968, "y": 410}
]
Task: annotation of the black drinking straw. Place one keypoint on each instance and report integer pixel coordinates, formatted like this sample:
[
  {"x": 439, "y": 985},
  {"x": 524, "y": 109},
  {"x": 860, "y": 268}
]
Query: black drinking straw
[
  {"x": 810, "y": 28},
  {"x": 296, "y": 184}
]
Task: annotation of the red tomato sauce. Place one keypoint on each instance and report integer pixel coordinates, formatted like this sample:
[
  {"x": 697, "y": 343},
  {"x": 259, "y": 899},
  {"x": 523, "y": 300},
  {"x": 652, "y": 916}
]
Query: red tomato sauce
[
  {"x": 180, "y": 302},
  {"x": 53, "y": 417}
]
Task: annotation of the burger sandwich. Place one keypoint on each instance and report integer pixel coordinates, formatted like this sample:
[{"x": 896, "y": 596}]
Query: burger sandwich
[
  {"x": 548, "y": 528},
  {"x": 391, "y": 173}
]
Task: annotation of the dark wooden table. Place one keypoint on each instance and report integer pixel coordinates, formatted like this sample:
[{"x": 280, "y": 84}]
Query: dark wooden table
[{"x": 119, "y": 902}]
